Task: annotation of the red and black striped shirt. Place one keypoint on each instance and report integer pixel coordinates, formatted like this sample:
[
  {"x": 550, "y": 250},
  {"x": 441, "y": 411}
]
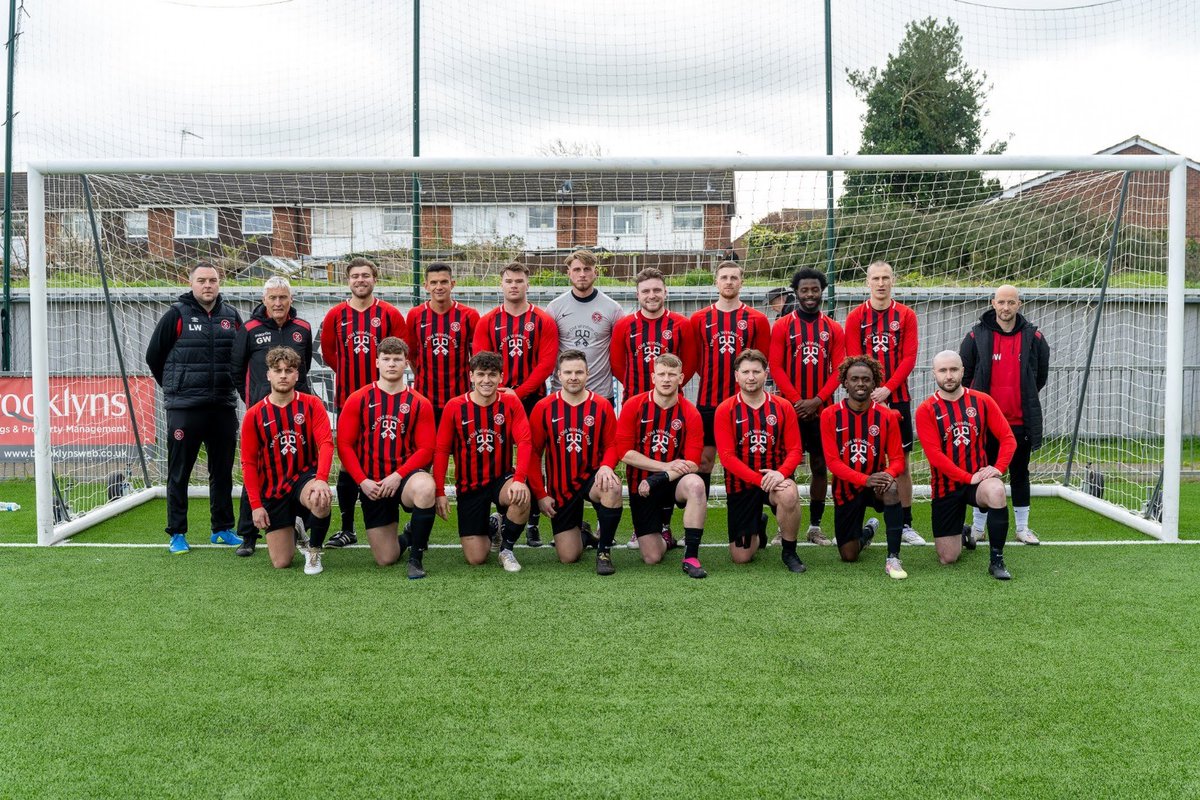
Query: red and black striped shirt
[
  {"x": 805, "y": 356},
  {"x": 380, "y": 433},
  {"x": 577, "y": 440},
  {"x": 953, "y": 436},
  {"x": 663, "y": 434},
  {"x": 720, "y": 337},
  {"x": 637, "y": 341},
  {"x": 348, "y": 341},
  {"x": 888, "y": 336},
  {"x": 750, "y": 439},
  {"x": 528, "y": 344},
  {"x": 858, "y": 444},
  {"x": 482, "y": 439},
  {"x": 280, "y": 443},
  {"x": 443, "y": 350}
]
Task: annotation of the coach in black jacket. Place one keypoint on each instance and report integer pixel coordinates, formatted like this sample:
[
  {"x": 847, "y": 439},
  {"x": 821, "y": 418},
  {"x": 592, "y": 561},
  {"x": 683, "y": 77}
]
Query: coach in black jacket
[
  {"x": 272, "y": 324},
  {"x": 1007, "y": 357},
  {"x": 190, "y": 354}
]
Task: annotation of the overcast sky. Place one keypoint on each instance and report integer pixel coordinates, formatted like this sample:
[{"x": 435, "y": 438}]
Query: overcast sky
[{"x": 313, "y": 77}]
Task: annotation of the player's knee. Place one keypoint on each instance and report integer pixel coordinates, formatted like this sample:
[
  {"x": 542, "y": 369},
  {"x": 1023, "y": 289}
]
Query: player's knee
[
  {"x": 281, "y": 562},
  {"x": 651, "y": 557},
  {"x": 741, "y": 555},
  {"x": 423, "y": 490},
  {"x": 693, "y": 487},
  {"x": 788, "y": 497},
  {"x": 849, "y": 552},
  {"x": 948, "y": 558},
  {"x": 475, "y": 559}
]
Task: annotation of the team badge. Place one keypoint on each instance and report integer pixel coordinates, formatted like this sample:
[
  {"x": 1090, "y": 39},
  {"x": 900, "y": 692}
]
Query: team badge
[
  {"x": 895, "y": 325},
  {"x": 296, "y": 337},
  {"x": 226, "y": 324},
  {"x": 597, "y": 316},
  {"x": 667, "y": 334},
  {"x": 298, "y": 419},
  {"x": 873, "y": 430},
  {"x": 404, "y": 407},
  {"x": 178, "y": 434},
  {"x": 824, "y": 336},
  {"x": 498, "y": 419},
  {"x": 529, "y": 326},
  {"x": 374, "y": 322},
  {"x": 772, "y": 419},
  {"x": 456, "y": 327},
  {"x": 676, "y": 424},
  {"x": 758, "y": 442},
  {"x": 589, "y": 420},
  {"x": 971, "y": 412},
  {"x": 741, "y": 325}
]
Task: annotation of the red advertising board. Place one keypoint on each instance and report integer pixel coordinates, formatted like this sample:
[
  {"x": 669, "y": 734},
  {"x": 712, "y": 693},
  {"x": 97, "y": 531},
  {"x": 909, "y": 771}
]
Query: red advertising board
[{"x": 88, "y": 415}]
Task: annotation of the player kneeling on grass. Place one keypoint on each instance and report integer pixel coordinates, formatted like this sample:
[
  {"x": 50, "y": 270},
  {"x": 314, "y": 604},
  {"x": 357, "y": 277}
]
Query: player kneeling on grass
[
  {"x": 863, "y": 450},
  {"x": 480, "y": 429},
  {"x": 287, "y": 451},
  {"x": 660, "y": 436},
  {"x": 385, "y": 439},
  {"x": 953, "y": 425},
  {"x": 576, "y": 429},
  {"x": 758, "y": 441}
]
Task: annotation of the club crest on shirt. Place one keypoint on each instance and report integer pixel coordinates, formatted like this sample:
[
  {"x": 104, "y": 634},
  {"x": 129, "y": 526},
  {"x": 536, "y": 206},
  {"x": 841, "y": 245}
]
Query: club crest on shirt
[
  {"x": 498, "y": 419},
  {"x": 375, "y": 322},
  {"x": 226, "y": 324},
  {"x": 961, "y": 433},
  {"x": 758, "y": 441},
  {"x": 485, "y": 441},
  {"x": 297, "y": 337},
  {"x": 667, "y": 334},
  {"x": 971, "y": 412},
  {"x": 589, "y": 421},
  {"x": 573, "y": 440},
  {"x": 810, "y": 353},
  {"x": 651, "y": 351},
  {"x": 824, "y": 336},
  {"x": 456, "y": 327},
  {"x": 298, "y": 418},
  {"x": 894, "y": 325},
  {"x": 772, "y": 419},
  {"x": 873, "y": 430},
  {"x": 742, "y": 325},
  {"x": 286, "y": 443},
  {"x": 676, "y": 424},
  {"x": 404, "y": 408},
  {"x": 387, "y": 427},
  {"x": 726, "y": 342},
  {"x": 597, "y": 316},
  {"x": 529, "y": 326},
  {"x": 439, "y": 343}
]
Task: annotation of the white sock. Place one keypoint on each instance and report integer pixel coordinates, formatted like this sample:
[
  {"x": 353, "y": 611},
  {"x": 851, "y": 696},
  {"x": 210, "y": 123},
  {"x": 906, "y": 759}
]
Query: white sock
[
  {"x": 1022, "y": 515},
  {"x": 978, "y": 520}
]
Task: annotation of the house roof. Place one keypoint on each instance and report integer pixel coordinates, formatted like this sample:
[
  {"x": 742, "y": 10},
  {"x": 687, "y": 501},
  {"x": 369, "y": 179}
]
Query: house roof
[
  {"x": 1121, "y": 147},
  {"x": 378, "y": 189}
]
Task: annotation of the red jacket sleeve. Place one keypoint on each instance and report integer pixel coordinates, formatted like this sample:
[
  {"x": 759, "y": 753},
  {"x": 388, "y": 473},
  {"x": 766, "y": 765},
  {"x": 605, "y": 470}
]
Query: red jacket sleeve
[
  {"x": 627, "y": 425},
  {"x": 726, "y": 446},
  {"x": 607, "y": 431},
  {"x": 775, "y": 357},
  {"x": 547, "y": 346},
  {"x": 537, "y": 438},
  {"x": 693, "y": 445},
  {"x": 897, "y": 458},
  {"x": 833, "y": 456},
  {"x": 689, "y": 351},
  {"x": 250, "y": 457},
  {"x": 837, "y": 353},
  {"x": 1000, "y": 428},
  {"x": 619, "y": 350},
  {"x": 853, "y": 331},
  {"x": 481, "y": 341},
  {"x": 444, "y": 445},
  {"x": 791, "y": 440},
  {"x": 908, "y": 351},
  {"x": 329, "y": 339},
  {"x": 349, "y": 420},
  {"x": 760, "y": 338},
  {"x": 931, "y": 445},
  {"x": 323, "y": 432},
  {"x": 425, "y": 439},
  {"x": 521, "y": 434}
]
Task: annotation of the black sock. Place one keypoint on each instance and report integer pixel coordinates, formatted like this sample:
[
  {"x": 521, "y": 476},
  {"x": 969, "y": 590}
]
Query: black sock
[
  {"x": 893, "y": 521},
  {"x": 317, "y": 528},
  {"x": 691, "y": 542},
  {"x": 667, "y": 513},
  {"x": 607, "y": 520},
  {"x": 816, "y": 510},
  {"x": 789, "y": 547},
  {"x": 512, "y": 532},
  {"x": 707, "y": 478},
  {"x": 908, "y": 516},
  {"x": 997, "y": 530},
  {"x": 347, "y": 494},
  {"x": 404, "y": 542},
  {"x": 422, "y": 525}
]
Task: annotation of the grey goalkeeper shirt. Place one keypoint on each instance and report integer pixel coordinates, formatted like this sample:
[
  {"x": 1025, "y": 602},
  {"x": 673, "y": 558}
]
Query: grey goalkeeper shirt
[{"x": 587, "y": 325}]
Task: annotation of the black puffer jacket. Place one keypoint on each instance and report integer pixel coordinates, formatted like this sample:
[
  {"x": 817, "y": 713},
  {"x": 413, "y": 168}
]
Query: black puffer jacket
[
  {"x": 976, "y": 352},
  {"x": 190, "y": 353}
]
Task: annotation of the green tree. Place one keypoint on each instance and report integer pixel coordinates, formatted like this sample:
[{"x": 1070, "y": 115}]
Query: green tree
[{"x": 926, "y": 100}]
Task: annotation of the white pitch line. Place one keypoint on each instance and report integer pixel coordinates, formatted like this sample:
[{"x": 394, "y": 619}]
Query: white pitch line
[{"x": 144, "y": 546}]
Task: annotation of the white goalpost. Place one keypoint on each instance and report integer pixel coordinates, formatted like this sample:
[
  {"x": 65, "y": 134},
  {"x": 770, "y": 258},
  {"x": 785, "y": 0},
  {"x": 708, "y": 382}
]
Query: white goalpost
[{"x": 1133, "y": 411}]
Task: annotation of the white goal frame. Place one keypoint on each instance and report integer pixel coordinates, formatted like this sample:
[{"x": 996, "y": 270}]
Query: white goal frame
[{"x": 1168, "y": 530}]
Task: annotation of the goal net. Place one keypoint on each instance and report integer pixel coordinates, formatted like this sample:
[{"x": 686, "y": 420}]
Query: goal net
[{"x": 1094, "y": 243}]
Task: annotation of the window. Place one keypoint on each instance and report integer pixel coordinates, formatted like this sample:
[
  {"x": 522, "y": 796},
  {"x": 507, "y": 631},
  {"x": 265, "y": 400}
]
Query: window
[
  {"x": 77, "y": 226},
  {"x": 689, "y": 218},
  {"x": 541, "y": 218},
  {"x": 137, "y": 224},
  {"x": 256, "y": 220},
  {"x": 195, "y": 223},
  {"x": 397, "y": 219},
  {"x": 475, "y": 222},
  {"x": 331, "y": 222},
  {"x": 621, "y": 220}
]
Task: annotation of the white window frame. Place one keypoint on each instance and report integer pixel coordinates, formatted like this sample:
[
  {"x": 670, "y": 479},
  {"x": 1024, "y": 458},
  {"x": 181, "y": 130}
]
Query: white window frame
[
  {"x": 132, "y": 224},
  {"x": 625, "y": 214},
  {"x": 542, "y": 210},
  {"x": 252, "y": 214},
  {"x": 489, "y": 216},
  {"x": 398, "y": 220},
  {"x": 693, "y": 215},
  {"x": 321, "y": 220},
  {"x": 186, "y": 217},
  {"x": 76, "y": 225}
]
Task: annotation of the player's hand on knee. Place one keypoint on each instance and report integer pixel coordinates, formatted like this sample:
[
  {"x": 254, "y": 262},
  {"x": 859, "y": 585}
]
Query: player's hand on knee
[
  {"x": 442, "y": 506},
  {"x": 261, "y": 519},
  {"x": 546, "y": 504},
  {"x": 370, "y": 489},
  {"x": 518, "y": 494}
]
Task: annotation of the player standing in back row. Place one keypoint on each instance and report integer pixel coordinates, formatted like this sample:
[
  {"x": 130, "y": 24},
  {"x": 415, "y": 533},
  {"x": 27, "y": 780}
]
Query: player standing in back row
[
  {"x": 349, "y": 335},
  {"x": 443, "y": 331},
  {"x": 722, "y": 331},
  {"x": 886, "y": 331}
]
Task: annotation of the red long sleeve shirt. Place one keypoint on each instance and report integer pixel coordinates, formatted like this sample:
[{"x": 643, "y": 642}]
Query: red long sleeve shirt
[
  {"x": 720, "y": 337},
  {"x": 482, "y": 439},
  {"x": 381, "y": 433},
  {"x": 576, "y": 441},
  {"x": 890, "y": 337},
  {"x": 663, "y": 434},
  {"x": 637, "y": 341},
  {"x": 953, "y": 437},
  {"x": 750, "y": 439},
  {"x": 280, "y": 443},
  {"x": 442, "y": 351},
  {"x": 349, "y": 339},
  {"x": 805, "y": 356},
  {"x": 858, "y": 444},
  {"x": 526, "y": 342}
]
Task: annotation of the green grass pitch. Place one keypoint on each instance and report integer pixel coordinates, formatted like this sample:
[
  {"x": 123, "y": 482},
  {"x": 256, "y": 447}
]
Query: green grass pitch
[{"x": 131, "y": 673}]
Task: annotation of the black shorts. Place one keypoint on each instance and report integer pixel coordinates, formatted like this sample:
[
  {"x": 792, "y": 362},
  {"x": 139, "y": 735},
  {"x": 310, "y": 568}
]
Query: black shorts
[
  {"x": 284, "y": 510},
  {"x": 708, "y": 415},
  {"x": 848, "y": 517},
  {"x": 745, "y": 510},
  {"x": 381, "y": 513},
  {"x": 949, "y": 512},
  {"x": 474, "y": 507},
  {"x": 647, "y": 512},
  {"x": 810, "y": 437},
  {"x": 570, "y": 514},
  {"x": 906, "y": 428}
]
